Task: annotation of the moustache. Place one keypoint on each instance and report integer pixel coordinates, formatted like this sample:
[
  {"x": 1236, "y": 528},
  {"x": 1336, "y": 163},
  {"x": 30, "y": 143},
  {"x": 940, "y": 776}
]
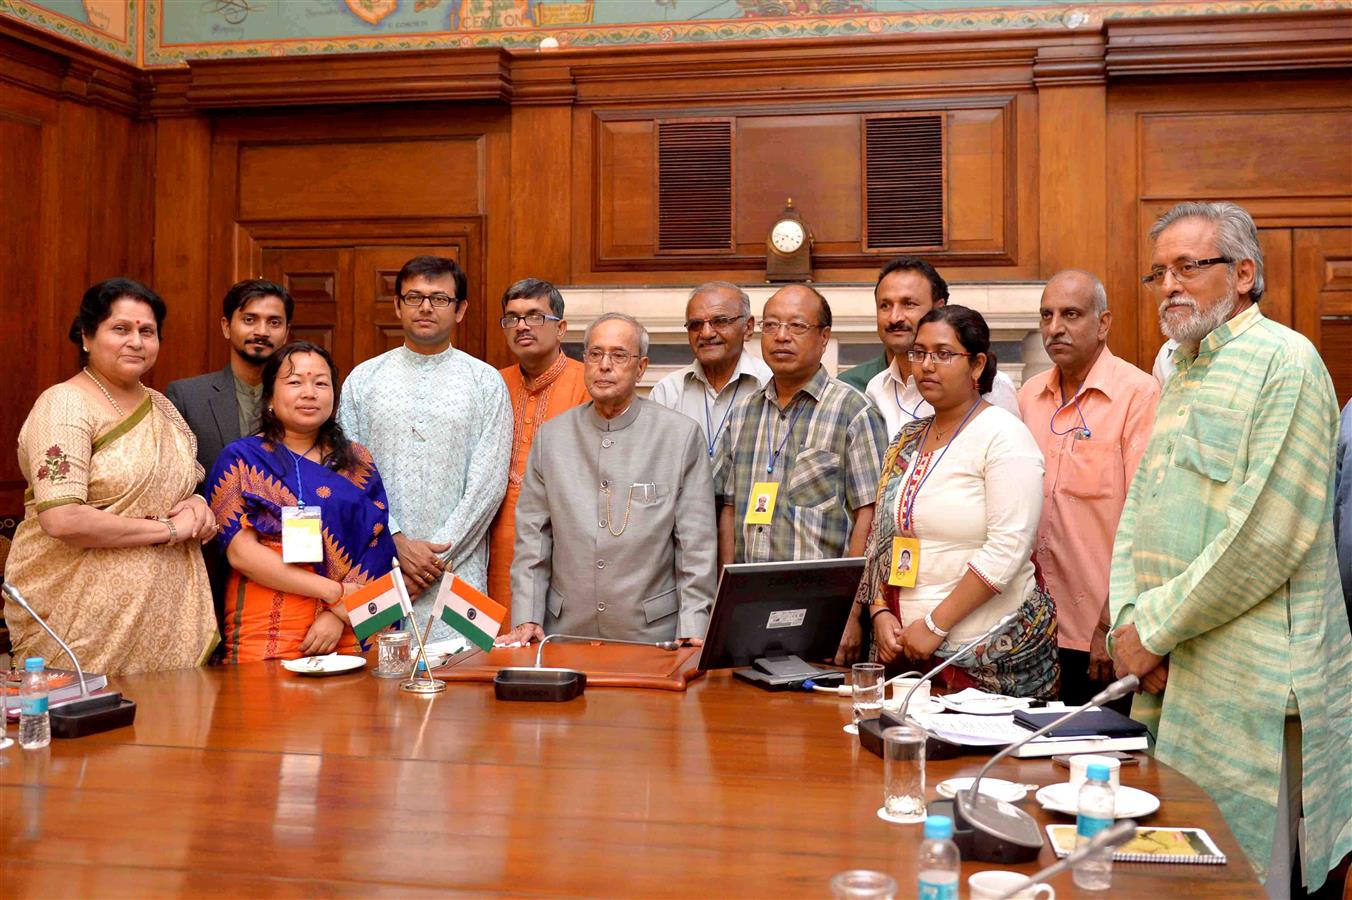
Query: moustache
[
  {"x": 261, "y": 342},
  {"x": 898, "y": 329}
]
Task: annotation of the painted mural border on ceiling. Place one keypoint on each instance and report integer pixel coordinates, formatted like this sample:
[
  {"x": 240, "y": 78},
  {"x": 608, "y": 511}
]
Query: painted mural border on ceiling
[
  {"x": 90, "y": 36},
  {"x": 144, "y": 44}
]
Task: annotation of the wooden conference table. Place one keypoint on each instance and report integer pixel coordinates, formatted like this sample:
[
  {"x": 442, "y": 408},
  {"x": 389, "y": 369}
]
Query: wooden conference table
[{"x": 251, "y": 781}]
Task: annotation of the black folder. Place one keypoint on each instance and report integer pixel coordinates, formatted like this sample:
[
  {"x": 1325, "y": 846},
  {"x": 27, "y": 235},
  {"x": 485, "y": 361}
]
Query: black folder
[{"x": 1108, "y": 722}]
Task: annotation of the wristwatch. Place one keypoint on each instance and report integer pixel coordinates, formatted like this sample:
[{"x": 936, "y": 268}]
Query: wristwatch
[{"x": 929, "y": 623}]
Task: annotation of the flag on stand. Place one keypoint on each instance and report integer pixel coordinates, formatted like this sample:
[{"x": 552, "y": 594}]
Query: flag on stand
[
  {"x": 374, "y": 607},
  {"x": 469, "y": 611}
]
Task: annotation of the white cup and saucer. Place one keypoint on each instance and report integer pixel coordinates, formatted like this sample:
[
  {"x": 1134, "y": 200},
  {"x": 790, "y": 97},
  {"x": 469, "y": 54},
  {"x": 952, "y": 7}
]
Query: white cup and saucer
[{"x": 996, "y": 884}]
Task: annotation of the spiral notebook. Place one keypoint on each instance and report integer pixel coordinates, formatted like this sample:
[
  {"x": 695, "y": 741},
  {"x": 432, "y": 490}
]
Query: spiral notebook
[{"x": 1191, "y": 846}]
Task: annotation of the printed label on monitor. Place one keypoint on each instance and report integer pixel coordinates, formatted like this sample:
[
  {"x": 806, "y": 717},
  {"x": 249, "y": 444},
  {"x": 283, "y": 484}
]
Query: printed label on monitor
[{"x": 786, "y": 618}]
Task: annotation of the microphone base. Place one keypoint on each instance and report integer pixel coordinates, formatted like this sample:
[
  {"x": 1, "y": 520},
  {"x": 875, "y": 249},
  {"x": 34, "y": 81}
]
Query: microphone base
[
  {"x": 1000, "y": 832},
  {"x": 91, "y": 715},
  {"x": 541, "y": 685}
]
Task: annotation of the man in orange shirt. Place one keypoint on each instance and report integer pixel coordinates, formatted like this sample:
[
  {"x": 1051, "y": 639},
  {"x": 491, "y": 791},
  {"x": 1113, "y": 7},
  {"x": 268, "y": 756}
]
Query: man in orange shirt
[
  {"x": 1091, "y": 414},
  {"x": 543, "y": 384}
]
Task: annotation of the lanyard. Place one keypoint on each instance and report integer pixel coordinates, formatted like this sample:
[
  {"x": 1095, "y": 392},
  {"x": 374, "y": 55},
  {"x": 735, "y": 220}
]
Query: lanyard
[
  {"x": 709, "y": 420},
  {"x": 906, "y": 513},
  {"x": 300, "y": 485},
  {"x": 913, "y": 413},
  {"x": 774, "y": 456},
  {"x": 1084, "y": 426}
]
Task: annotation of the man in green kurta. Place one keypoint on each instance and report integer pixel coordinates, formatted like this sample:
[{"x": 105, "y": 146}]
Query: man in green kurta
[{"x": 1225, "y": 598}]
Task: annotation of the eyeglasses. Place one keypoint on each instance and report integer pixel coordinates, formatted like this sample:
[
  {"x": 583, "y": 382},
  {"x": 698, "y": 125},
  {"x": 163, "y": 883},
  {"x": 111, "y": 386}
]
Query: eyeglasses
[
  {"x": 717, "y": 323},
  {"x": 618, "y": 358},
  {"x": 534, "y": 320},
  {"x": 413, "y": 299},
  {"x": 1185, "y": 270},
  {"x": 797, "y": 329},
  {"x": 942, "y": 357}
]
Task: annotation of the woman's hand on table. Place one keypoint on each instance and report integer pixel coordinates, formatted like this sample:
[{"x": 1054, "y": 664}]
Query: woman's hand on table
[{"x": 324, "y": 634}]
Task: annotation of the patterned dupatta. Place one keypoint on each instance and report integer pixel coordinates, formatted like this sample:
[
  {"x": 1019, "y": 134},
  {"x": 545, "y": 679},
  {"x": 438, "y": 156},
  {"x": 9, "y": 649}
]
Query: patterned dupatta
[{"x": 878, "y": 552}]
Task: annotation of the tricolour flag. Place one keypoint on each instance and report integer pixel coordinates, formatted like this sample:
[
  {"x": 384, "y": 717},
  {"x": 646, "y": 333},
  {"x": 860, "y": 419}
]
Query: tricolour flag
[
  {"x": 374, "y": 607},
  {"x": 469, "y": 611}
]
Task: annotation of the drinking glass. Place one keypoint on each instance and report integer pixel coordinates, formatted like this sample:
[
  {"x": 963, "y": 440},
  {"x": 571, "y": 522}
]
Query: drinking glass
[
  {"x": 866, "y": 684},
  {"x": 393, "y": 654},
  {"x": 858, "y": 884},
  {"x": 903, "y": 774}
]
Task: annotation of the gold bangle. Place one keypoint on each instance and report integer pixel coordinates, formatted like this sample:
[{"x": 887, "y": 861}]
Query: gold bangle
[{"x": 173, "y": 532}]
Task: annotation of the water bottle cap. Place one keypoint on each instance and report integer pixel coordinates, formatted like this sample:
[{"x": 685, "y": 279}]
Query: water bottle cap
[
  {"x": 33, "y": 664},
  {"x": 1096, "y": 772},
  {"x": 938, "y": 828}
]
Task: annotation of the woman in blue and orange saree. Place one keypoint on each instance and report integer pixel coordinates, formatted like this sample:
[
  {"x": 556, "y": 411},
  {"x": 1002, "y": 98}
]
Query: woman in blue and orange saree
[{"x": 303, "y": 516}]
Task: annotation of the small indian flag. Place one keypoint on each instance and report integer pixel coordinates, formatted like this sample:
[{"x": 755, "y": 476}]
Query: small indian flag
[
  {"x": 374, "y": 607},
  {"x": 469, "y": 611}
]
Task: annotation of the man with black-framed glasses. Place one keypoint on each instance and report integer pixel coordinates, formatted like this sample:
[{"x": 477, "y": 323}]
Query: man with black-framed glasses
[
  {"x": 439, "y": 426},
  {"x": 543, "y": 384},
  {"x": 719, "y": 324},
  {"x": 810, "y": 444}
]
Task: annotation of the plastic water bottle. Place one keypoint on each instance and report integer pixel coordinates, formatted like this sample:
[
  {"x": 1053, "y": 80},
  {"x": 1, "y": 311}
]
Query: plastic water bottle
[
  {"x": 35, "y": 729},
  {"x": 939, "y": 862},
  {"x": 1097, "y": 801}
]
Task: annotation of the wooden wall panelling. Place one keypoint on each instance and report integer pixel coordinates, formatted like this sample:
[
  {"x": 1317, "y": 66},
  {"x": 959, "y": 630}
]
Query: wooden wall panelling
[
  {"x": 182, "y": 195},
  {"x": 25, "y": 126},
  {"x": 813, "y": 158},
  {"x": 320, "y": 280},
  {"x": 1072, "y": 158},
  {"x": 541, "y": 189},
  {"x": 1322, "y": 275},
  {"x": 1276, "y": 145}
]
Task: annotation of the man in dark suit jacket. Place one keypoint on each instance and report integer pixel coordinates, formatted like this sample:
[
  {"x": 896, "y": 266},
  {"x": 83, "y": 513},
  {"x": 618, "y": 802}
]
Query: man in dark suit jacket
[{"x": 221, "y": 407}]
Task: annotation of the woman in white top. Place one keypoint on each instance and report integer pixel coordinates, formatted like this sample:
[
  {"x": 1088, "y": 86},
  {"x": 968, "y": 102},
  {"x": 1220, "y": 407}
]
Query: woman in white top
[{"x": 958, "y": 509}]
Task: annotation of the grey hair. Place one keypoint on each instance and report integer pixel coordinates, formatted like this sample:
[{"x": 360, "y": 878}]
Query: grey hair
[
  {"x": 743, "y": 301},
  {"x": 1100, "y": 293},
  {"x": 620, "y": 317},
  {"x": 1236, "y": 234}
]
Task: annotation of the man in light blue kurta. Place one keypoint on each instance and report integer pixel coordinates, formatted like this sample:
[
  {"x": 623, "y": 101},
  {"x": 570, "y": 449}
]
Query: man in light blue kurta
[
  {"x": 438, "y": 423},
  {"x": 1224, "y": 588}
]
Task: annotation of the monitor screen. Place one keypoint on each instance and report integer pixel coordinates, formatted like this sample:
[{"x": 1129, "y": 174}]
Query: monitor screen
[{"x": 796, "y": 608}]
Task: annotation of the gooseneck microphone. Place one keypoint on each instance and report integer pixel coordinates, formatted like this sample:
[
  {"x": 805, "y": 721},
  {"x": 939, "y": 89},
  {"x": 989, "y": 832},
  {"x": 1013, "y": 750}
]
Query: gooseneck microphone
[
  {"x": 1113, "y": 836},
  {"x": 90, "y": 714},
  {"x": 13, "y": 594},
  {"x": 660, "y": 645},
  {"x": 961, "y": 652},
  {"x": 1001, "y": 832}
]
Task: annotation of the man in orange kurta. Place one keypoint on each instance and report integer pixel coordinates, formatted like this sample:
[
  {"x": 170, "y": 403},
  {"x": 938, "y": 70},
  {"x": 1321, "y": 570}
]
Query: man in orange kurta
[{"x": 543, "y": 384}]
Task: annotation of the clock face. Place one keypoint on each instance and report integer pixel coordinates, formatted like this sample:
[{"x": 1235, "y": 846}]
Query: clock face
[{"x": 787, "y": 236}]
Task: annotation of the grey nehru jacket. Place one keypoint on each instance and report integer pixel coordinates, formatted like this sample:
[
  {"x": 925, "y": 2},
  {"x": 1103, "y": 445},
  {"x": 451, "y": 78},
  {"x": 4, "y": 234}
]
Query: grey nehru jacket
[{"x": 572, "y": 574}]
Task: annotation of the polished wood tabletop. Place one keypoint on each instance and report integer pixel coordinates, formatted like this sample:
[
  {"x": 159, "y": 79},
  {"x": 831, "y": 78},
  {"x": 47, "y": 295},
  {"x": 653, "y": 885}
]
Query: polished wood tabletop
[{"x": 249, "y": 781}]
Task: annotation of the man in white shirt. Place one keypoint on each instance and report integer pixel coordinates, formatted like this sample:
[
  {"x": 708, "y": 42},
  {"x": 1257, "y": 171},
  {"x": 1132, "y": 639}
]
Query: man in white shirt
[
  {"x": 907, "y": 288},
  {"x": 719, "y": 322}
]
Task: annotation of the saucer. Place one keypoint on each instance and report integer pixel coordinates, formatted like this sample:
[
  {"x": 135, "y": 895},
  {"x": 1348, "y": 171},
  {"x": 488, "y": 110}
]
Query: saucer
[
  {"x": 332, "y": 664},
  {"x": 988, "y": 705},
  {"x": 998, "y": 788},
  {"x": 1132, "y": 803},
  {"x": 929, "y": 708}
]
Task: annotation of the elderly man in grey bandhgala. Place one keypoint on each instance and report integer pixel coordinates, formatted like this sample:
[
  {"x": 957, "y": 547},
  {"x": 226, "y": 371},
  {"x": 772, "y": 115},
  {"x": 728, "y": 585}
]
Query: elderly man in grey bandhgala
[{"x": 615, "y": 534}]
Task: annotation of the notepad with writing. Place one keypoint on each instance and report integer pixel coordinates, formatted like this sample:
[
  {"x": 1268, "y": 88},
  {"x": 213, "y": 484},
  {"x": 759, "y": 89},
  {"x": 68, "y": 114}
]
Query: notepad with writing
[{"x": 1191, "y": 846}]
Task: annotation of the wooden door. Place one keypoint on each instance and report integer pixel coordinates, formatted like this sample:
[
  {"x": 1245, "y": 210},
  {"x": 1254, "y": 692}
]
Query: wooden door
[
  {"x": 374, "y": 271},
  {"x": 1322, "y": 274},
  {"x": 320, "y": 282}
]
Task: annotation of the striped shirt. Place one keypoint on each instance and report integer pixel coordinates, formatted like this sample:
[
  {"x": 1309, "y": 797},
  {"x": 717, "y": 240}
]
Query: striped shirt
[
  {"x": 832, "y": 443},
  {"x": 1231, "y": 573}
]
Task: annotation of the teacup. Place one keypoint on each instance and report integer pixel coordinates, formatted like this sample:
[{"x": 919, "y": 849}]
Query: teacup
[
  {"x": 993, "y": 885},
  {"x": 1080, "y": 763},
  {"x": 902, "y": 686}
]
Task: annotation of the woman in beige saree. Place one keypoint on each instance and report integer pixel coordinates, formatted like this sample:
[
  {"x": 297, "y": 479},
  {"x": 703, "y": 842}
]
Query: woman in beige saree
[{"x": 109, "y": 551}]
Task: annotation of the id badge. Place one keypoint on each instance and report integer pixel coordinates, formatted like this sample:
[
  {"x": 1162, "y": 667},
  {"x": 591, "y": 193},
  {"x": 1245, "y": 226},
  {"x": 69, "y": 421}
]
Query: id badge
[
  {"x": 905, "y": 562},
  {"x": 302, "y": 534},
  {"x": 760, "y": 507}
]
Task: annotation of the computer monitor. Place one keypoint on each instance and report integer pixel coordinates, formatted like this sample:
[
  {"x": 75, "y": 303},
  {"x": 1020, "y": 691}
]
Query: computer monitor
[{"x": 773, "y": 616}]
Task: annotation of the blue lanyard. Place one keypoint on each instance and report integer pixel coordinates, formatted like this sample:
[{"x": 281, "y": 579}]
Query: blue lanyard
[
  {"x": 913, "y": 413},
  {"x": 908, "y": 509},
  {"x": 709, "y": 420},
  {"x": 1084, "y": 426},
  {"x": 300, "y": 485},
  {"x": 774, "y": 456}
]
